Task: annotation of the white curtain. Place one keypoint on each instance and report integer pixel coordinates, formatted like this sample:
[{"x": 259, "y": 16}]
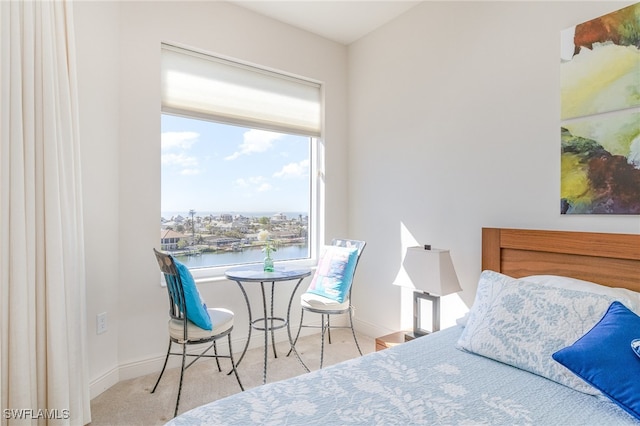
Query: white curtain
[{"x": 43, "y": 372}]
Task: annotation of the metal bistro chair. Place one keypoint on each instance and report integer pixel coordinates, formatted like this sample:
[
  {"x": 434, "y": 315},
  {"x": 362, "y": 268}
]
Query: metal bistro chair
[
  {"x": 326, "y": 307},
  {"x": 184, "y": 332}
]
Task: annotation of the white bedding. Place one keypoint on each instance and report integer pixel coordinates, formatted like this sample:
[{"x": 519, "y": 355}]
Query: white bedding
[{"x": 425, "y": 381}]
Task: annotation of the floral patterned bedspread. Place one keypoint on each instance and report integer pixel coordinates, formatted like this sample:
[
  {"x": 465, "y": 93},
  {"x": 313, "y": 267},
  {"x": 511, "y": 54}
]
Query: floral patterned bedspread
[{"x": 425, "y": 381}]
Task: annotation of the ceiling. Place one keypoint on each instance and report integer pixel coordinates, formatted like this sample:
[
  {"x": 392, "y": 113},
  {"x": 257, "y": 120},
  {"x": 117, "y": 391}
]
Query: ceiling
[{"x": 341, "y": 21}]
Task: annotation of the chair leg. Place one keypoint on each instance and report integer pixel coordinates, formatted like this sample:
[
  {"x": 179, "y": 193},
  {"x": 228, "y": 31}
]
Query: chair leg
[
  {"x": 215, "y": 353},
  {"x": 353, "y": 331},
  {"x": 329, "y": 327},
  {"x": 184, "y": 357},
  {"x": 163, "y": 367},
  {"x": 297, "y": 334},
  {"x": 324, "y": 329},
  {"x": 233, "y": 363}
]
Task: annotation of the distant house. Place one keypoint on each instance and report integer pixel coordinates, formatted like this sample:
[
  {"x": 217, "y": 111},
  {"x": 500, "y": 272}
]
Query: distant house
[
  {"x": 224, "y": 242},
  {"x": 241, "y": 218},
  {"x": 169, "y": 239},
  {"x": 240, "y": 226},
  {"x": 279, "y": 217}
]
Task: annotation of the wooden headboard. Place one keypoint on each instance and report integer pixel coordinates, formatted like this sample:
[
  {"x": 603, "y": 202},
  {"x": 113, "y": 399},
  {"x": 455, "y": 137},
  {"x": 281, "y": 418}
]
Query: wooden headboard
[{"x": 608, "y": 259}]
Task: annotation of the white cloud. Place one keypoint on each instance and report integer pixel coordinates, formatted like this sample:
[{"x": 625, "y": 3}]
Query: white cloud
[
  {"x": 241, "y": 183},
  {"x": 264, "y": 187},
  {"x": 255, "y": 183},
  {"x": 181, "y": 140},
  {"x": 188, "y": 164},
  {"x": 182, "y": 160},
  {"x": 190, "y": 172},
  {"x": 293, "y": 170},
  {"x": 255, "y": 141}
]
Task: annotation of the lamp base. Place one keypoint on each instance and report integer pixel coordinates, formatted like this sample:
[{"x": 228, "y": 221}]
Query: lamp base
[
  {"x": 410, "y": 335},
  {"x": 418, "y": 330}
]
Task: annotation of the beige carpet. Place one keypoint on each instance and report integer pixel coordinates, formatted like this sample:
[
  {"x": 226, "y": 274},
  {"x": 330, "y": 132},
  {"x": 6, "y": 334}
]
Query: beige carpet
[{"x": 131, "y": 403}]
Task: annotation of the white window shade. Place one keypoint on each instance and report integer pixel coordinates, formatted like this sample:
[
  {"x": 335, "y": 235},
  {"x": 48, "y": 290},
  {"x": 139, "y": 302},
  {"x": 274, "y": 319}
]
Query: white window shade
[{"x": 213, "y": 88}]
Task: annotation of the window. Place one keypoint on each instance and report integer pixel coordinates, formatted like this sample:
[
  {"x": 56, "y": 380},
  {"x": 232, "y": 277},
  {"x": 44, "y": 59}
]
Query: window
[
  {"x": 223, "y": 184},
  {"x": 239, "y": 156}
]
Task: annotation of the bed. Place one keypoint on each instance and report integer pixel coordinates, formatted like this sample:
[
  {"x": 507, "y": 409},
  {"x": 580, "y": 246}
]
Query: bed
[{"x": 529, "y": 352}]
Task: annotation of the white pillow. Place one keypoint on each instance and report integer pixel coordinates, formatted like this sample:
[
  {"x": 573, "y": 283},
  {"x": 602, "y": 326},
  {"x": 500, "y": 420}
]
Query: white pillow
[
  {"x": 632, "y": 298},
  {"x": 522, "y": 324}
]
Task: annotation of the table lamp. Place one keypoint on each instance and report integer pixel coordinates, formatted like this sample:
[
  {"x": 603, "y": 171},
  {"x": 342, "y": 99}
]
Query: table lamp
[{"x": 430, "y": 274}]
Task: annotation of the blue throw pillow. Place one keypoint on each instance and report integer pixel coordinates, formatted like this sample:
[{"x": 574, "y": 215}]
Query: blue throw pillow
[
  {"x": 603, "y": 357},
  {"x": 334, "y": 273},
  {"x": 196, "y": 309}
]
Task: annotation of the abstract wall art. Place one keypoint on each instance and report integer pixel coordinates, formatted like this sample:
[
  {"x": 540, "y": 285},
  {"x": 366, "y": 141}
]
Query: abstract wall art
[{"x": 600, "y": 115}]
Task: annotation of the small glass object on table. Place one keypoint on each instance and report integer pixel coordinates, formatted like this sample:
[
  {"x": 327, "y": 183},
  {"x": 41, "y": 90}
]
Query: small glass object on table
[
  {"x": 268, "y": 263},
  {"x": 268, "y": 248}
]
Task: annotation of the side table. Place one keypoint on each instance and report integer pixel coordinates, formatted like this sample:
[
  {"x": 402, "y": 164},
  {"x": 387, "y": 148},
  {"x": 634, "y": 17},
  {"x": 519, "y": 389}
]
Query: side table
[
  {"x": 393, "y": 339},
  {"x": 269, "y": 322}
]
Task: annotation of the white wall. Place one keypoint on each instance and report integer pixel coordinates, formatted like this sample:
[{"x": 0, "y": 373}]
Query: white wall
[
  {"x": 451, "y": 122},
  {"x": 96, "y": 26},
  {"x": 119, "y": 63},
  {"x": 454, "y": 126}
]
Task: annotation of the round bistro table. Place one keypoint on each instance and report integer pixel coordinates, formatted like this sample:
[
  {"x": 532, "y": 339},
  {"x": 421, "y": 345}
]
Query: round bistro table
[{"x": 269, "y": 322}]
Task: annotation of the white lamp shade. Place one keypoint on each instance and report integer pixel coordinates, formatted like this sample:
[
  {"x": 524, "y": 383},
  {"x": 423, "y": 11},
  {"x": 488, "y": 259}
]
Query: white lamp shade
[{"x": 431, "y": 271}]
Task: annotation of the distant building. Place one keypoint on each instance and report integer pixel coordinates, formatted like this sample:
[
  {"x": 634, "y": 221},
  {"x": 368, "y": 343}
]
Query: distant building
[
  {"x": 169, "y": 239},
  {"x": 224, "y": 242},
  {"x": 279, "y": 217},
  {"x": 240, "y": 226},
  {"x": 240, "y": 218}
]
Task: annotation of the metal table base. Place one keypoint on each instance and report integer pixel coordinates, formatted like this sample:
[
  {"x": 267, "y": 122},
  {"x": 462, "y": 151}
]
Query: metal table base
[{"x": 269, "y": 322}]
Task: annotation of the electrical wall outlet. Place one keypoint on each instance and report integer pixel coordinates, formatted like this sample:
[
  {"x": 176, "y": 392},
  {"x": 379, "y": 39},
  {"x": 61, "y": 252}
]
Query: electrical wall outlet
[{"x": 101, "y": 323}]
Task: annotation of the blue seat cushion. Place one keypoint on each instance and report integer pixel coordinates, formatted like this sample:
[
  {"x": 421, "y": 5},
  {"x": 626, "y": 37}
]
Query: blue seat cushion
[
  {"x": 334, "y": 274},
  {"x": 604, "y": 358},
  {"x": 196, "y": 308}
]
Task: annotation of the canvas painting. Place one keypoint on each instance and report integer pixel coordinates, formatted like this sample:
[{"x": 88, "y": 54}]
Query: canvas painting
[
  {"x": 600, "y": 113},
  {"x": 599, "y": 166}
]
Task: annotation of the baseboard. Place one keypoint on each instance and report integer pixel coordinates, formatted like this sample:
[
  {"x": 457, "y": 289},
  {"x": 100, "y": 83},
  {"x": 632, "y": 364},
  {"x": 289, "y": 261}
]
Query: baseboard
[
  {"x": 104, "y": 382},
  {"x": 369, "y": 329},
  {"x": 131, "y": 370}
]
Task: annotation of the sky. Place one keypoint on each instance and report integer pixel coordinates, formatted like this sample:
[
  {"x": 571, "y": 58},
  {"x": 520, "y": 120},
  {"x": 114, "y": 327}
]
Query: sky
[{"x": 211, "y": 167}]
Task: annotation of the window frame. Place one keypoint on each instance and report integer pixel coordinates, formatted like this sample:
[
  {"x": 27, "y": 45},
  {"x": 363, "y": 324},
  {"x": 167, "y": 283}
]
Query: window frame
[{"x": 316, "y": 175}]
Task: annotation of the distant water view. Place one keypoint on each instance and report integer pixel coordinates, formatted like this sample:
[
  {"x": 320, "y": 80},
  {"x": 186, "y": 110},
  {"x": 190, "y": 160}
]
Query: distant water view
[
  {"x": 209, "y": 239},
  {"x": 250, "y": 255}
]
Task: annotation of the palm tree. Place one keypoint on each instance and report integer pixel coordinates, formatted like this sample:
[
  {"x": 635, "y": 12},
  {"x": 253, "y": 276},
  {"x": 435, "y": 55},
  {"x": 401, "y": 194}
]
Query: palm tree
[{"x": 193, "y": 225}]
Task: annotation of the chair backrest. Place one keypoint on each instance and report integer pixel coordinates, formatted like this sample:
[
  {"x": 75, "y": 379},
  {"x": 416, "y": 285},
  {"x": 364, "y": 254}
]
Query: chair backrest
[
  {"x": 341, "y": 242},
  {"x": 177, "y": 304}
]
